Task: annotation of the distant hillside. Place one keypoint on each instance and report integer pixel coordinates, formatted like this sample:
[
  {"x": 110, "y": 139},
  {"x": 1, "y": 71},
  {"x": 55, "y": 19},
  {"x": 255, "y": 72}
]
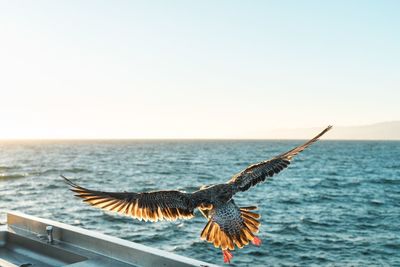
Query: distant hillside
[{"x": 378, "y": 131}]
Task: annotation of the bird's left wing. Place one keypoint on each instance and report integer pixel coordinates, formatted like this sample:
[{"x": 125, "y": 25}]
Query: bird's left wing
[
  {"x": 257, "y": 173},
  {"x": 152, "y": 206}
]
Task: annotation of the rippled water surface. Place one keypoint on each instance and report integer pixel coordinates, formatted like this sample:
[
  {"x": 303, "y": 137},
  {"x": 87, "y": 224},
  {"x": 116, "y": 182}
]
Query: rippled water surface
[{"x": 338, "y": 204}]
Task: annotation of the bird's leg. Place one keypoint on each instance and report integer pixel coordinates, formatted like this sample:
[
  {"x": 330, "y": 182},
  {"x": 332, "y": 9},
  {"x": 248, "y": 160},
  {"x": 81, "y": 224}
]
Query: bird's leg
[
  {"x": 256, "y": 241},
  {"x": 227, "y": 256}
]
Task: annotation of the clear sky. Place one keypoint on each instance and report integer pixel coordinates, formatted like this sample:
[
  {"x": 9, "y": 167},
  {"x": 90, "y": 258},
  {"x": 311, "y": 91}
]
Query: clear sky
[{"x": 195, "y": 69}]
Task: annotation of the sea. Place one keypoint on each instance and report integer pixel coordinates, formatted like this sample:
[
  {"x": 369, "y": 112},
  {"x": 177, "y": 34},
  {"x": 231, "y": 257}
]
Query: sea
[{"x": 338, "y": 203}]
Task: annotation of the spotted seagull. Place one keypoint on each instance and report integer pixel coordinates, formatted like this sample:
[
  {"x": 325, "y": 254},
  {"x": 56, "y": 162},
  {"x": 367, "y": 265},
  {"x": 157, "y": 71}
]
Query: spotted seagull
[{"x": 228, "y": 225}]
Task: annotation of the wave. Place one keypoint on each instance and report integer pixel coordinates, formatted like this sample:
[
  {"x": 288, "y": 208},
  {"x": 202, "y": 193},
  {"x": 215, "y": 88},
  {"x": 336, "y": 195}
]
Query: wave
[
  {"x": 61, "y": 171},
  {"x": 4, "y": 176},
  {"x": 7, "y": 168},
  {"x": 57, "y": 172},
  {"x": 312, "y": 222},
  {"x": 394, "y": 246},
  {"x": 288, "y": 229},
  {"x": 291, "y": 201}
]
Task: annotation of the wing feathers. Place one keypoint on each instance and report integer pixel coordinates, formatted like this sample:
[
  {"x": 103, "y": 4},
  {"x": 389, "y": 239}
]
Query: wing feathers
[
  {"x": 148, "y": 206},
  {"x": 257, "y": 173}
]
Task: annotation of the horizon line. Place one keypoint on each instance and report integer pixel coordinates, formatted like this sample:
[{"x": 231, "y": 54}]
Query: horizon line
[{"x": 178, "y": 139}]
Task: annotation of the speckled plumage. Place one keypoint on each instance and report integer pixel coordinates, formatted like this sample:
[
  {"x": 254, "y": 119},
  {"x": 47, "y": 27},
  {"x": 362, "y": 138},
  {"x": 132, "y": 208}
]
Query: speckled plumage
[{"x": 228, "y": 225}]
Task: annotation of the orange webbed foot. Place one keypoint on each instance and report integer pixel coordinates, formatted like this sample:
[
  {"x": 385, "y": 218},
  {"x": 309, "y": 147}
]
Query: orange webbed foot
[
  {"x": 227, "y": 256},
  {"x": 256, "y": 241}
]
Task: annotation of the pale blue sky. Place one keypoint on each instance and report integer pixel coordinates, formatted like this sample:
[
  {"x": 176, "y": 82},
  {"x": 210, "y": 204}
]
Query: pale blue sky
[{"x": 195, "y": 69}]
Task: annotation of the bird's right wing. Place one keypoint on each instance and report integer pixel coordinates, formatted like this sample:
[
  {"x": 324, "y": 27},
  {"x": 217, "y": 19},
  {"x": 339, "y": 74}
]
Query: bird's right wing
[{"x": 152, "y": 206}]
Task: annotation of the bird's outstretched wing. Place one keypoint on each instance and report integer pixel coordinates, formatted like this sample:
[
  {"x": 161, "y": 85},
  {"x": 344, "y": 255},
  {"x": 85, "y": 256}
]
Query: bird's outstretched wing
[
  {"x": 257, "y": 173},
  {"x": 152, "y": 206}
]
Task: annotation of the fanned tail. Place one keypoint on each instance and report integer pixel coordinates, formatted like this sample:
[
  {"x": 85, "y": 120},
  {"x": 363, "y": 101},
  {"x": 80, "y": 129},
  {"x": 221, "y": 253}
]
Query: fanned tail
[{"x": 240, "y": 234}]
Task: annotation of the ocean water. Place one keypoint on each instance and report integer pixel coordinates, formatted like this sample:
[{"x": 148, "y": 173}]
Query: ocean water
[{"x": 338, "y": 204}]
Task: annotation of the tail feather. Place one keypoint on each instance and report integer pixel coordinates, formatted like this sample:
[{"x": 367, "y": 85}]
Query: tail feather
[
  {"x": 204, "y": 234},
  {"x": 251, "y": 226},
  {"x": 251, "y": 214},
  {"x": 248, "y": 233},
  {"x": 250, "y": 219},
  {"x": 231, "y": 243},
  {"x": 213, "y": 233},
  {"x": 248, "y": 208},
  {"x": 224, "y": 241}
]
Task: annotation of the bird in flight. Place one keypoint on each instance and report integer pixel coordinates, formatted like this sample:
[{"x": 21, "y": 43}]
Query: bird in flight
[{"x": 228, "y": 225}]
